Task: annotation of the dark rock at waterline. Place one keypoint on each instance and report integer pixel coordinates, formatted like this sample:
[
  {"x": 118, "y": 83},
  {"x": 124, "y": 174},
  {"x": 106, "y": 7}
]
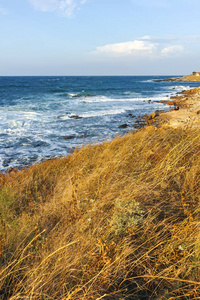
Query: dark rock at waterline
[
  {"x": 130, "y": 115},
  {"x": 136, "y": 126},
  {"x": 76, "y": 96},
  {"x": 140, "y": 121},
  {"x": 37, "y": 144},
  {"x": 7, "y": 147},
  {"x": 139, "y": 124},
  {"x": 5, "y": 165},
  {"x": 69, "y": 137},
  {"x": 123, "y": 126},
  {"x": 75, "y": 117}
]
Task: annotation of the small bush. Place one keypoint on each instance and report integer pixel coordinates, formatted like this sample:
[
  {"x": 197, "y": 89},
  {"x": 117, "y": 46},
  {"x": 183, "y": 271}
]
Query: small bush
[{"x": 126, "y": 216}]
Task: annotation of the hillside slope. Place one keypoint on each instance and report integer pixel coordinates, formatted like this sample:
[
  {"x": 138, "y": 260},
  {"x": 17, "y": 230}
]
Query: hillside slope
[{"x": 118, "y": 220}]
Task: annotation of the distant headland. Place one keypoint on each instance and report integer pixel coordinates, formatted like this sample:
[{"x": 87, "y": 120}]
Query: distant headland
[{"x": 195, "y": 76}]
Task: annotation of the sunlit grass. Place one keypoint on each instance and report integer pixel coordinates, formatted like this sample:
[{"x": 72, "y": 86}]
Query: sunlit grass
[{"x": 118, "y": 220}]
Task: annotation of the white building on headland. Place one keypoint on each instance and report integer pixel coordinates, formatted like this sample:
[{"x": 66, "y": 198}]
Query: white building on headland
[{"x": 196, "y": 73}]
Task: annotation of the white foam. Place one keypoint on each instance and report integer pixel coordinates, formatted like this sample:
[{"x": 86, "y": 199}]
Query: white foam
[
  {"x": 129, "y": 93},
  {"x": 73, "y": 95},
  {"x": 64, "y": 117},
  {"x": 25, "y": 144},
  {"x": 106, "y": 99},
  {"x": 148, "y": 80},
  {"x": 180, "y": 87},
  {"x": 102, "y": 113}
]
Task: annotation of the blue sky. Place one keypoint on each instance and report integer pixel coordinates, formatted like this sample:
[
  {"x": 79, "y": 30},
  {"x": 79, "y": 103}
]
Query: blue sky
[{"x": 99, "y": 37}]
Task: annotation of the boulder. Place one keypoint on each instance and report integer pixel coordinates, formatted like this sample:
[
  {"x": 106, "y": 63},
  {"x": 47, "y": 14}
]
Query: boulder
[
  {"x": 176, "y": 108},
  {"x": 153, "y": 115},
  {"x": 130, "y": 115},
  {"x": 75, "y": 117},
  {"x": 123, "y": 126}
]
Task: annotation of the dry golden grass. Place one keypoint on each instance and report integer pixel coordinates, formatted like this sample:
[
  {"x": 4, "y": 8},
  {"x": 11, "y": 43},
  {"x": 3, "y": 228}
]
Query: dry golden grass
[{"x": 118, "y": 220}]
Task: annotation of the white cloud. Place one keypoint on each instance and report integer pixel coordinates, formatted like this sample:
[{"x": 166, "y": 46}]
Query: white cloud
[
  {"x": 136, "y": 47},
  {"x": 146, "y": 46},
  {"x": 65, "y": 7},
  {"x": 172, "y": 50}
]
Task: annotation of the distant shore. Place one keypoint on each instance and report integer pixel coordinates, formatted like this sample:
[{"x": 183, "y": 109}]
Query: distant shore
[{"x": 187, "y": 78}]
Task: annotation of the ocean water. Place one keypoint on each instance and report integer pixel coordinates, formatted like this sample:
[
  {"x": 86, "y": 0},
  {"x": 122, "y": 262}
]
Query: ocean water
[{"x": 44, "y": 117}]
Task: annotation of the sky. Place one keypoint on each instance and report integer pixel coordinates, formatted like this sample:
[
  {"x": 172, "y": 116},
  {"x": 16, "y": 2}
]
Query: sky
[{"x": 99, "y": 37}]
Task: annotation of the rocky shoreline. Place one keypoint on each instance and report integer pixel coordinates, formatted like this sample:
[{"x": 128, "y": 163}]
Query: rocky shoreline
[{"x": 185, "y": 111}]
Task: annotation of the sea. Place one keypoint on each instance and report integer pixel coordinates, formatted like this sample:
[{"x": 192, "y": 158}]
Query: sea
[{"x": 48, "y": 117}]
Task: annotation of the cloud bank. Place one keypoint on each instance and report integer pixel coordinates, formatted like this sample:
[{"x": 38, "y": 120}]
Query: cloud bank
[
  {"x": 135, "y": 47},
  {"x": 172, "y": 50},
  {"x": 142, "y": 47},
  {"x": 64, "y": 7}
]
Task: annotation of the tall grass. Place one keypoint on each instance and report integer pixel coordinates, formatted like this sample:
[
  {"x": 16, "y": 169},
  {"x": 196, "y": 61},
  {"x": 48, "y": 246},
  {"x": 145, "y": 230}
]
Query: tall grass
[{"x": 118, "y": 220}]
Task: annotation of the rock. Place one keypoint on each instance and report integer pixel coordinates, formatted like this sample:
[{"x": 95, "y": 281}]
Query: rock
[
  {"x": 168, "y": 102},
  {"x": 130, "y": 115},
  {"x": 75, "y": 117},
  {"x": 138, "y": 125},
  {"x": 123, "y": 126},
  {"x": 153, "y": 115},
  {"x": 198, "y": 112},
  {"x": 176, "y": 108},
  {"x": 69, "y": 137},
  {"x": 149, "y": 101}
]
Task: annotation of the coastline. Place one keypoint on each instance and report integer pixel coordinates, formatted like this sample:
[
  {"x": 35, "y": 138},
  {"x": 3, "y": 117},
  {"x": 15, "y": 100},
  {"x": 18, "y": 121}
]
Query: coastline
[
  {"x": 54, "y": 122},
  {"x": 122, "y": 214},
  {"x": 185, "y": 112}
]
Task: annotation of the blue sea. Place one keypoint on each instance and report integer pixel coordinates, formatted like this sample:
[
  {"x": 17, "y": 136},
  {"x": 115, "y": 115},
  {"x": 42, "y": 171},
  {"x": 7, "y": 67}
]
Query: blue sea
[{"x": 44, "y": 117}]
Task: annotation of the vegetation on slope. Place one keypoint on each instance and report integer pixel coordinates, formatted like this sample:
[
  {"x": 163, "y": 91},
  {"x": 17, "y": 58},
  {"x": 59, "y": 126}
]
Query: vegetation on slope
[{"x": 118, "y": 220}]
